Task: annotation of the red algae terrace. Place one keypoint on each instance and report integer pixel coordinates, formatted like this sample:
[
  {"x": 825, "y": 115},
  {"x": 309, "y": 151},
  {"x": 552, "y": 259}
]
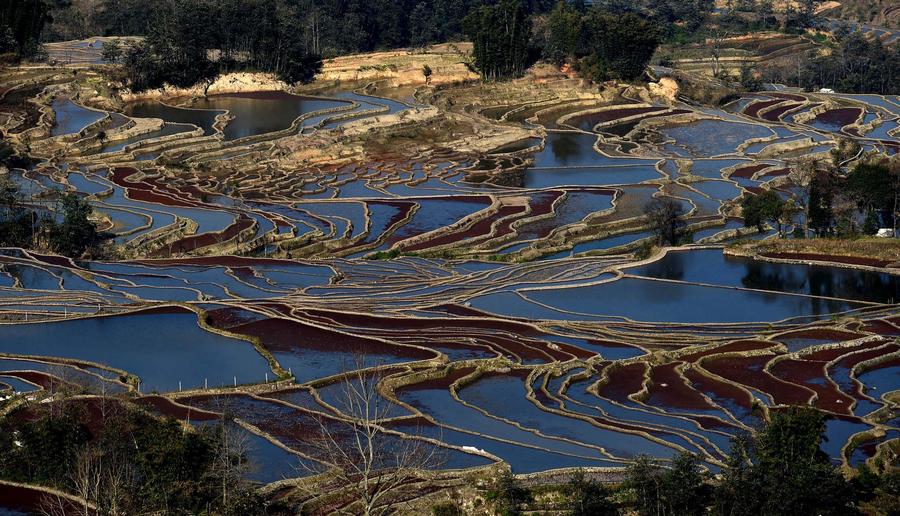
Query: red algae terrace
[{"x": 499, "y": 291}]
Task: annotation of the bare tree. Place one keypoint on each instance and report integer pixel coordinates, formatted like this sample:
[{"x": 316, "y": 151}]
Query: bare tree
[
  {"x": 716, "y": 51},
  {"x": 59, "y": 505},
  {"x": 231, "y": 463},
  {"x": 801, "y": 174},
  {"x": 86, "y": 476},
  {"x": 370, "y": 463},
  {"x": 103, "y": 483},
  {"x": 666, "y": 218}
]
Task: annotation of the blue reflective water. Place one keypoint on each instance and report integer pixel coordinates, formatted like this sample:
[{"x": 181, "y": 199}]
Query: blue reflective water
[
  {"x": 439, "y": 404},
  {"x": 707, "y": 138},
  {"x": 577, "y": 150},
  {"x": 162, "y": 349},
  {"x": 201, "y": 118},
  {"x": 504, "y": 396},
  {"x": 263, "y": 112},
  {"x": 648, "y": 300},
  {"x": 18, "y": 386},
  {"x": 589, "y": 176},
  {"x": 880, "y": 380},
  {"x": 712, "y": 266},
  {"x": 72, "y": 118}
]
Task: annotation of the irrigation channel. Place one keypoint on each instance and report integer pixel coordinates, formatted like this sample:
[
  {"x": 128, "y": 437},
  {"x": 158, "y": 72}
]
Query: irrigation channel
[{"x": 251, "y": 292}]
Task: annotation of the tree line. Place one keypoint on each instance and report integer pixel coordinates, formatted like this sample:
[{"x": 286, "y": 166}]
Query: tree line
[
  {"x": 332, "y": 27},
  {"x": 780, "y": 469},
  {"x": 613, "y": 39},
  {"x": 854, "y": 65},
  {"x": 193, "y": 41},
  {"x": 21, "y": 25},
  {"x": 190, "y": 41},
  {"x": 600, "y": 43},
  {"x": 831, "y": 202}
]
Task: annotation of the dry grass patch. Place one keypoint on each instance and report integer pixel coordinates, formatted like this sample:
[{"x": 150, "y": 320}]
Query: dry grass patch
[{"x": 887, "y": 249}]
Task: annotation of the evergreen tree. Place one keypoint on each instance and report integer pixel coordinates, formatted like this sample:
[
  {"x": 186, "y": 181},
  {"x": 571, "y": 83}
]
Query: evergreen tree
[
  {"x": 21, "y": 25},
  {"x": 820, "y": 211},
  {"x": 618, "y": 47},
  {"x": 564, "y": 33},
  {"x": 783, "y": 470},
  {"x": 76, "y": 234},
  {"x": 500, "y": 35},
  {"x": 765, "y": 207}
]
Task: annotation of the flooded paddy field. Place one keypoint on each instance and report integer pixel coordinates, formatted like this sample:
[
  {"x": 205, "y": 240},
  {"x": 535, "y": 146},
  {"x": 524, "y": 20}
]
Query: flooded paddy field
[
  {"x": 423, "y": 203},
  {"x": 496, "y": 291},
  {"x": 277, "y": 322}
]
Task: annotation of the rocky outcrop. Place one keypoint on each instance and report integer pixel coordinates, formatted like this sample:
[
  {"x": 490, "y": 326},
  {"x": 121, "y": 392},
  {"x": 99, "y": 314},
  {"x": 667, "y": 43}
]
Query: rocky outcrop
[{"x": 239, "y": 82}]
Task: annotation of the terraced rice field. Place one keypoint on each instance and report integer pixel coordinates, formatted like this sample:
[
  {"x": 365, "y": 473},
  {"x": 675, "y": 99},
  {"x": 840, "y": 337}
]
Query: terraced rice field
[{"x": 511, "y": 324}]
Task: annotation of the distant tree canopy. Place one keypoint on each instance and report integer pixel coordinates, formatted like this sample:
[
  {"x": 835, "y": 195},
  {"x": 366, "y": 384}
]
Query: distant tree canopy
[
  {"x": 328, "y": 27},
  {"x": 614, "y": 44},
  {"x": 780, "y": 469},
  {"x": 195, "y": 40},
  {"x": 762, "y": 208},
  {"x": 76, "y": 233},
  {"x": 21, "y": 25},
  {"x": 563, "y": 33},
  {"x": 832, "y": 201},
  {"x": 191, "y": 41},
  {"x": 783, "y": 470},
  {"x": 500, "y": 36},
  {"x": 618, "y": 46},
  {"x": 17, "y": 224},
  {"x": 856, "y": 65},
  {"x": 669, "y": 15}
]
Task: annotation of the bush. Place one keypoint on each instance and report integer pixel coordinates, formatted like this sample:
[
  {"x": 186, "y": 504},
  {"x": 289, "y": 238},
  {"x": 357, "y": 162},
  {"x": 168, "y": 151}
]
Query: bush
[
  {"x": 76, "y": 234},
  {"x": 447, "y": 509},
  {"x": 589, "y": 498},
  {"x": 507, "y": 495}
]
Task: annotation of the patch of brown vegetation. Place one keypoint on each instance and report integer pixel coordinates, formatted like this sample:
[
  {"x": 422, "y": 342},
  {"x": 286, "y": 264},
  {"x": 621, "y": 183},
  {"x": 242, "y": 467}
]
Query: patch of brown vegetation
[{"x": 876, "y": 252}]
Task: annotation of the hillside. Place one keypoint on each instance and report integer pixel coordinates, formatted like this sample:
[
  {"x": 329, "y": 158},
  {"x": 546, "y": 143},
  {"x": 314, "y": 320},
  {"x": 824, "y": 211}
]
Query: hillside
[{"x": 885, "y": 13}]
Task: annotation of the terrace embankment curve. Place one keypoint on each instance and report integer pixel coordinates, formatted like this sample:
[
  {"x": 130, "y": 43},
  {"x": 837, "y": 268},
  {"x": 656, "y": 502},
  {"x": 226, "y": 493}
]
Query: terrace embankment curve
[{"x": 512, "y": 324}]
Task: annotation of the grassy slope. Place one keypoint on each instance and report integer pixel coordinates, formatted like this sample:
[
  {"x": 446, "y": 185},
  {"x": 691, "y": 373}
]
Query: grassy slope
[
  {"x": 878, "y": 248},
  {"x": 867, "y": 11}
]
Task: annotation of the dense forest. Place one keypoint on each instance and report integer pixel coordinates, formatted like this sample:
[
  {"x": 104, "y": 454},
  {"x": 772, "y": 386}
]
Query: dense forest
[
  {"x": 778, "y": 470},
  {"x": 191, "y": 41},
  {"x": 21, "y": 26},
  {"x": 329, "y": 27},
  {"x": 603, "y": 44}
]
